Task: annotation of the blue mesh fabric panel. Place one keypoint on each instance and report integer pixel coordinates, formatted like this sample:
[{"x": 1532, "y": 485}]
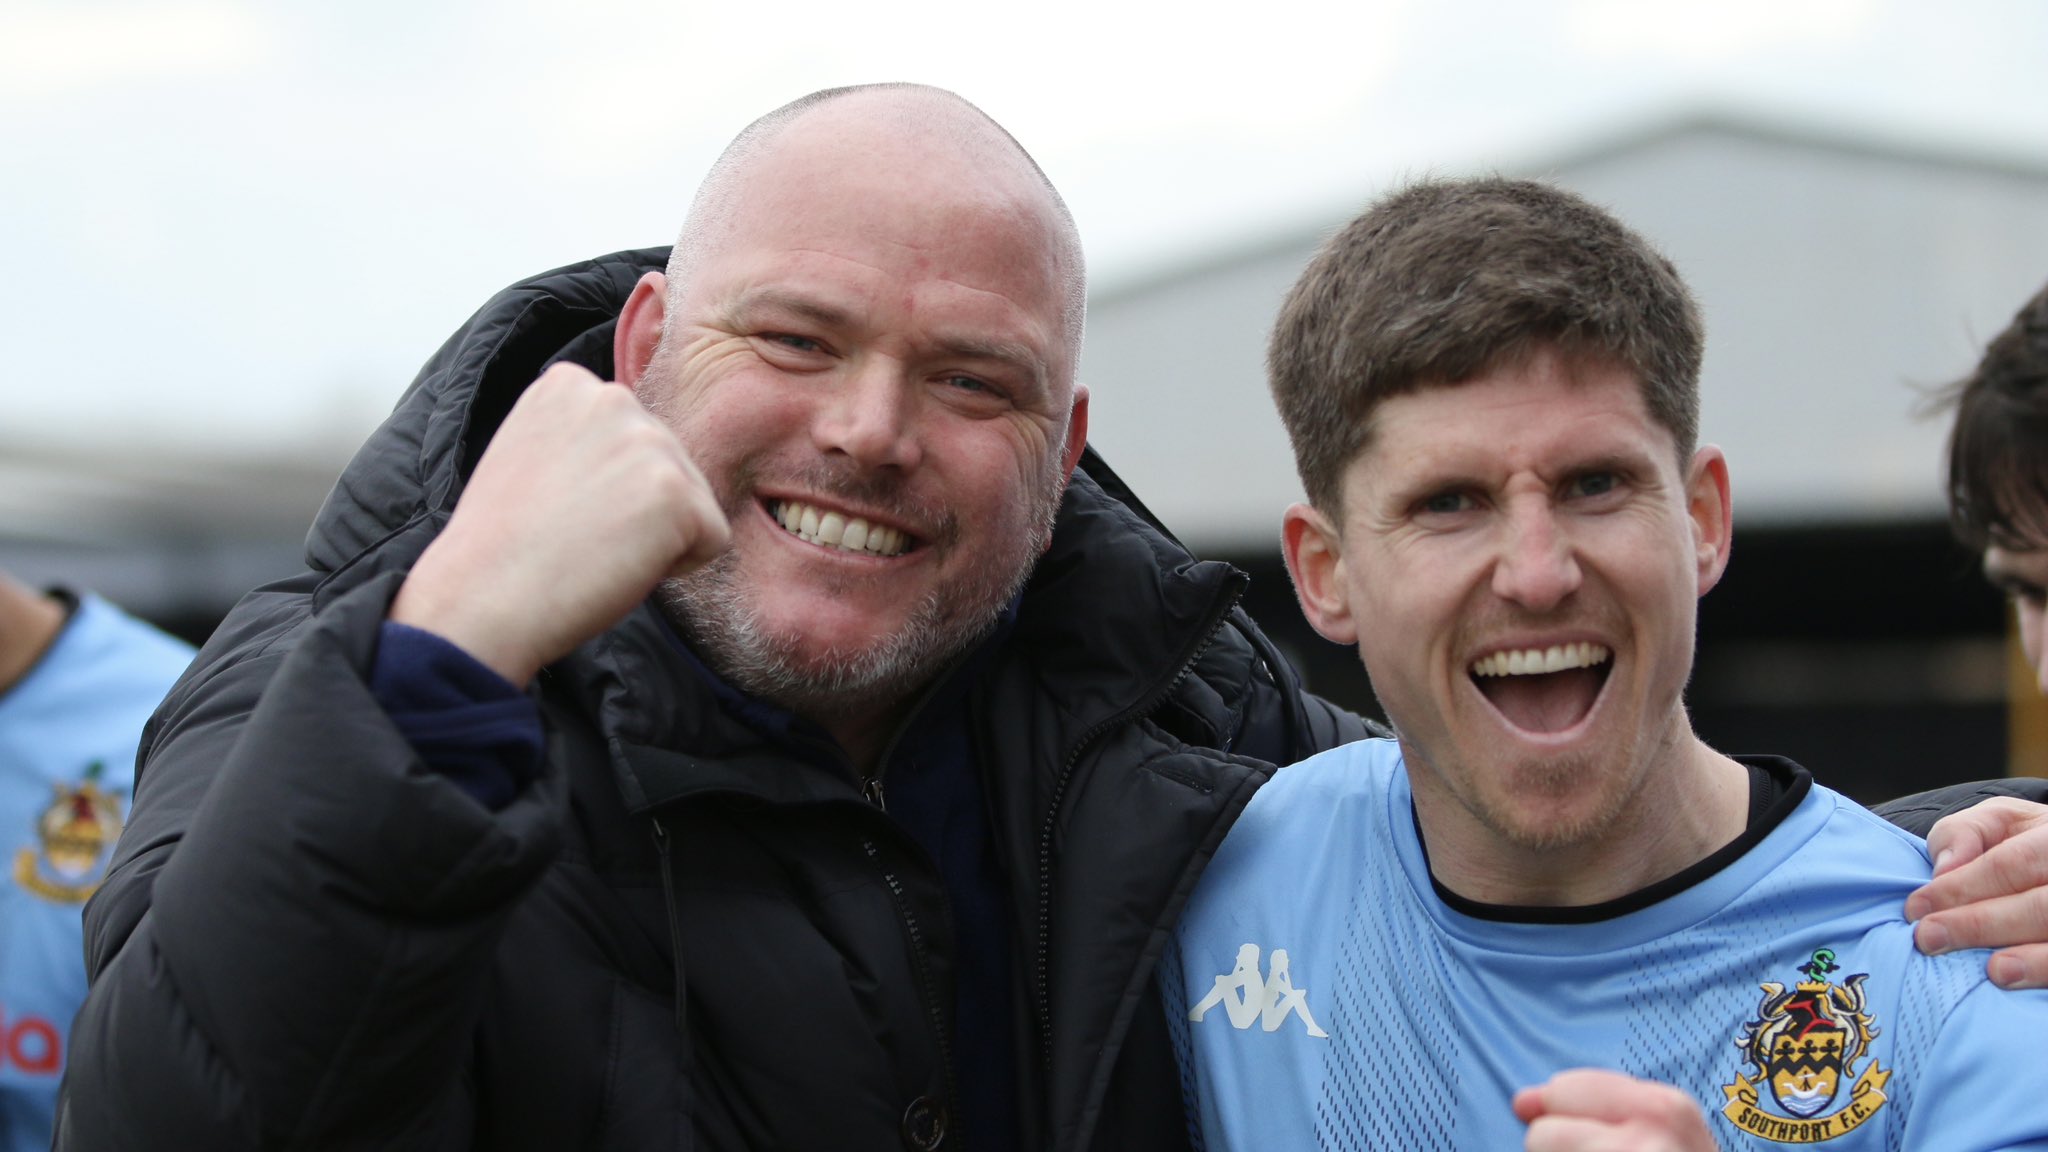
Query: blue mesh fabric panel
[
  {"x": 1391, "y": 1079},
  {"x": 1932, "y": 991}
]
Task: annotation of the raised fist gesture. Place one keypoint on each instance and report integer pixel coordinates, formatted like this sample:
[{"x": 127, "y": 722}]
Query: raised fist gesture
[
  {"x": 1594, "y": 1110},
  {"x": 581, "y": 504}
]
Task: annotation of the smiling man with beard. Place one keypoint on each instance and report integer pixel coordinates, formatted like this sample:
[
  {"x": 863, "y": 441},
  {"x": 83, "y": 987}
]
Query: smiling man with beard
[
  {"x": 1499, "y": 927},
  {"x": 726, "y": 709}
]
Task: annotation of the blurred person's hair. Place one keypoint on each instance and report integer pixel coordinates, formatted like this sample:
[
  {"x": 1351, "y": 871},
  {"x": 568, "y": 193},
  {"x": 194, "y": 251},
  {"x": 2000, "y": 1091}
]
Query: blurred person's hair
[
  {"x": 1445, "y": 280},
  {"x": 1998, "y": 448}
]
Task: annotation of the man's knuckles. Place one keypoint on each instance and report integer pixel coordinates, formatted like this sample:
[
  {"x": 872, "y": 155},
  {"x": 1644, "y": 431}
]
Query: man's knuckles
[
  {"x": 2017, "y": 865},
  {"x": 1671, "y": 1110},
  {"x": 2001, "y": 922},
  {"x": 2021, "y": 863}
]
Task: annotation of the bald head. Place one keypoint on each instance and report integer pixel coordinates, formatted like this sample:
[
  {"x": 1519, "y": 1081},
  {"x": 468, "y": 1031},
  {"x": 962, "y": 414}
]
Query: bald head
[{"x": 901, "y": 140}]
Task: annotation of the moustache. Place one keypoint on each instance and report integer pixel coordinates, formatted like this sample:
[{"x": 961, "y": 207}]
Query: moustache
[{"x": 885, "y": 495}]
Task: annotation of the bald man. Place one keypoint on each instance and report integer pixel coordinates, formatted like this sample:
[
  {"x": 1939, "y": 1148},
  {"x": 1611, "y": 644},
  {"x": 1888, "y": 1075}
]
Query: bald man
[{"x": 698, "y": 726}]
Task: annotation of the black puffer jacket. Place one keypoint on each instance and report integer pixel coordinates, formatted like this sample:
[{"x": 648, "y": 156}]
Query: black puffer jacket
[{"x": 310, "y": 940}]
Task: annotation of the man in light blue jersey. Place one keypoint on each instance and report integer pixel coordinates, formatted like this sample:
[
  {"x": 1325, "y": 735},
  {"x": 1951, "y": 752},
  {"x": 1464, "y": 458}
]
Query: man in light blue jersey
[
  {"x": 78, "y": 677},
  {"x": 1547, "y": 915}
]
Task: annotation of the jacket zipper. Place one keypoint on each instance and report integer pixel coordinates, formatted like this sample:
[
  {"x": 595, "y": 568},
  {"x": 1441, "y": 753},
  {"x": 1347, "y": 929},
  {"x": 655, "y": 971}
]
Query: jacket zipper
[
  {"x": 931, "y": 998},
  {"x": 871, "y": 792},
  {"x": 871, "y": 782},
  {"x": 675, "y": 931},
  {"x": 1042, "y": 960},
  {"x": 910, "y": 926}
]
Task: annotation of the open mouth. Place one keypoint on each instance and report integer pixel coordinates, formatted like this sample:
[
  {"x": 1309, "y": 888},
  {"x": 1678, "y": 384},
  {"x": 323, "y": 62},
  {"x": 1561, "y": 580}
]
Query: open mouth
[
  {"x": 827, "y": 529},
  {"x": 1544, "y": 690}
]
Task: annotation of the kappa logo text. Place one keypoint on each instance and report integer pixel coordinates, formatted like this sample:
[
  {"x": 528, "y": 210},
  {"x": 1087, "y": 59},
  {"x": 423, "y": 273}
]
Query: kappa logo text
[{"x": 1247, "y": 996}]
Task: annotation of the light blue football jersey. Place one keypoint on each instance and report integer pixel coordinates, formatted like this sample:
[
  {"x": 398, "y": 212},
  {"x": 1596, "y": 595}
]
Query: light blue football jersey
[
  {"x": 68, "y": 731},
  {"x": 1324, "y": 996}
]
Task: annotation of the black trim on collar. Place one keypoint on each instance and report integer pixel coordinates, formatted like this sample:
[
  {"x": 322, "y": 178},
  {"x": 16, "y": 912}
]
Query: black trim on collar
[
  {"x": 1776, "y": 786},
  {"x": 65, "y": 596}
]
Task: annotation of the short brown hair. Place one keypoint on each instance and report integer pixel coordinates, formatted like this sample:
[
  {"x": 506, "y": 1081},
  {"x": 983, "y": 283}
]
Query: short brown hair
[
  {"x": 1998, "y": 449},
  {"x": 1444, "y": 280}
]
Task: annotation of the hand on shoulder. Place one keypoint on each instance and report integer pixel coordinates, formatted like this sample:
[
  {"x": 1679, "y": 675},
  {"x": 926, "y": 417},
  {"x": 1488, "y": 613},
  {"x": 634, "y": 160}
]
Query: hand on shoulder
[{"x": 1990, "y": 889}]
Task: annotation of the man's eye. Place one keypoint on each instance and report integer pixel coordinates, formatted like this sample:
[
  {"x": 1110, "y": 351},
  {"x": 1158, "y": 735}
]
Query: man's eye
[
  {"x": 973, "y": 385},
  {"x": 789, "y": 340},
  {"x": 1594, "y": 484},
  {"x": 1446, "y": 503}
]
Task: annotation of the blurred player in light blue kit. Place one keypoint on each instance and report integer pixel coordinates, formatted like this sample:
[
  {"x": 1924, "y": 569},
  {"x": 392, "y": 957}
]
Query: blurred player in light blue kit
[
  {"x": 1495, "y": 930},
  {"x": 78, "y": 678}
]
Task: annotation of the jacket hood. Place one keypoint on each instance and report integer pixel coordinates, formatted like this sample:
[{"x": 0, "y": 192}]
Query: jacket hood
[{"x": 405, "y": 479}]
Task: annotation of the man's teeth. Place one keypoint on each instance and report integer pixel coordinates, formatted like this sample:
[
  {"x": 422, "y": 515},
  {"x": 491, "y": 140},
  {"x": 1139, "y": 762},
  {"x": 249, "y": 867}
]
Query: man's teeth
[
  {"x": 836, "y": 531},
  {"x": 1532, "y": 661}
]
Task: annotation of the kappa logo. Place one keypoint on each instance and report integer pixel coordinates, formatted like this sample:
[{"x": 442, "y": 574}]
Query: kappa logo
[
  {"x": 1804, "y": 1043},
  {"x": 1247, "y": 997}
]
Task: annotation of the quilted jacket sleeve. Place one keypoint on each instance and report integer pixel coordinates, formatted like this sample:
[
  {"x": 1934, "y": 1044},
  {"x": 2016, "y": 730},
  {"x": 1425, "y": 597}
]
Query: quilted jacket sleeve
[
  {"x": 1918, "y": 812},
  {"x": 292, "y": 948},
  {"x": 1284, "y": 721}
]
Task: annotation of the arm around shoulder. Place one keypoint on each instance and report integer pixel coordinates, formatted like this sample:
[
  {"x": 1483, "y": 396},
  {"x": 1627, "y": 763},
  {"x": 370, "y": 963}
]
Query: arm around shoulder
[
  {"x": 1919, "y": 812},
  {"x": 1284, "y": 721}
]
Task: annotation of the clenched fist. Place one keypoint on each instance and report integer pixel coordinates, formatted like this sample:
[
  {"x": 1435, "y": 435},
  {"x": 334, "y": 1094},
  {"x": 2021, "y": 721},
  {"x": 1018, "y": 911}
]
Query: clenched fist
[
  {"x": 1594, "y": 1110},
  {"x": 582, "y": 503}
]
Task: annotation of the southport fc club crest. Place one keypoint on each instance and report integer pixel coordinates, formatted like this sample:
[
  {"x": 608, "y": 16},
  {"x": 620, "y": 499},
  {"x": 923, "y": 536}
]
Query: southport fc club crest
[
  {"x": 1802, "y": 1049},
  {"x": 74, "y": 835}
]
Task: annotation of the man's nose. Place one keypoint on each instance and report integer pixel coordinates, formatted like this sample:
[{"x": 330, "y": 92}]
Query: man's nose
[
  {"x": 870, "y": 417},
  {"x": 1537, "y": 567}
]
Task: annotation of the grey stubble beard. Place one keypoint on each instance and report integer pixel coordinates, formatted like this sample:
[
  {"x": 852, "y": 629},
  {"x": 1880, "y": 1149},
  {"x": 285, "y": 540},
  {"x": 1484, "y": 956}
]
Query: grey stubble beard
[{"x": 714, "y": 611}]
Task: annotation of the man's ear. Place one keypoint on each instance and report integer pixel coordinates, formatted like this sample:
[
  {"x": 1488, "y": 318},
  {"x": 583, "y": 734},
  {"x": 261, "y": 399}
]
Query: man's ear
[
  {"x": 1712, "y": 510},
  {"x": 1315, "y": 559},
  {"x": 1077, "y": 431},
  {"x": 639, "y": 330}
]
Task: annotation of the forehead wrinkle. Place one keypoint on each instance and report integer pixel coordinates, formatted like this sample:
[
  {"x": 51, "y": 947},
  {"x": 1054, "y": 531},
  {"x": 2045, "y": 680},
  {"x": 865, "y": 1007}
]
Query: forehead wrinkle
[
  {"x": 1596, "y": 441},
  {"x": 961, "y": 345},
  {"x": 801, "y": 304}
]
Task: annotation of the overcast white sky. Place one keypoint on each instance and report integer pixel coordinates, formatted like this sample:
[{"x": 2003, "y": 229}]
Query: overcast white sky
[{"x": 240, "y": 226}]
